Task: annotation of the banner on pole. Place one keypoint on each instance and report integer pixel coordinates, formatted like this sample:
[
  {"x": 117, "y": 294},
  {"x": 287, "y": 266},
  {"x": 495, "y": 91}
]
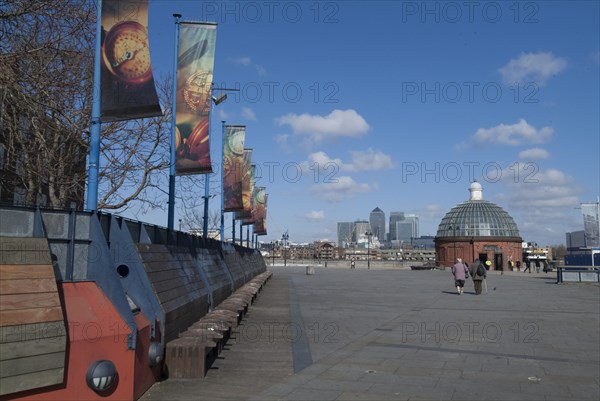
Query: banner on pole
[
  {"x": 195, "y": 64},
  {"x": 126, "y": 83},
  {"x": 260, "y": 211},
  {"x": 245, "y": 216},
  {"x": 233, "y": 167}
]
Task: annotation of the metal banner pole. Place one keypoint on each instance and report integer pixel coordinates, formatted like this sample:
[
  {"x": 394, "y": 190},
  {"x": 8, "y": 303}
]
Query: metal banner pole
[
  {"x": 233, "y": 228},
  {"x": 222, "y": 181},
  {"x": 94, "y": 155},
  {"x": 171, "y": 215}
]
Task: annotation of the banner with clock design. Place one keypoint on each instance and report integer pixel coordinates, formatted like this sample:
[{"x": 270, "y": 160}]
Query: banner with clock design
[
  {"x": 127, "y": 88},
  {"x": 260, "y": 211},
  {"x": 195, "y": 63},
  {"x": 245, "y": 215},
  {"x": 233, "y": 163}
]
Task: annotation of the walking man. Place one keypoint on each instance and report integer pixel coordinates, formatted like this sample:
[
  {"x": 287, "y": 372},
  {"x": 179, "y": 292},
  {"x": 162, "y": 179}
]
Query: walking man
[{"x": 478, "y": 273}]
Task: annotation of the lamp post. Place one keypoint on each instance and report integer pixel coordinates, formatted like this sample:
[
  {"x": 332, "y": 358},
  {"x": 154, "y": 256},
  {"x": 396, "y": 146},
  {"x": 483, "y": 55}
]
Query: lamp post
[
  {"x": 369, "y": 234},
  {"x": 217, "y": 100},
  {"x": 171, "y": 203},
  {"x": 402, "y": 252},
  {"x": 472, "y": 242},
  {"x": 285, "y": 238},
  {"x": 273, "y": 251}
]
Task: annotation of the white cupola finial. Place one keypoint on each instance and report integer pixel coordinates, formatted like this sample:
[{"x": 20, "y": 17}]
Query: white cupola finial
[{"x": 476, "y": 191}]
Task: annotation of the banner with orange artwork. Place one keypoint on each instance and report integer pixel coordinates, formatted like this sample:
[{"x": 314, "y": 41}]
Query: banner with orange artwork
[
  {"x": 195, "y": 64},
  {"x": 126, "y": 82}
]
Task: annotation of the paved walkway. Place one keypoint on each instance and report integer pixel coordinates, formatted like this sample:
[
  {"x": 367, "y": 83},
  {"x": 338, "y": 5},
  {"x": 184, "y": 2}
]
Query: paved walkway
[{"x": 361, "y": 334}]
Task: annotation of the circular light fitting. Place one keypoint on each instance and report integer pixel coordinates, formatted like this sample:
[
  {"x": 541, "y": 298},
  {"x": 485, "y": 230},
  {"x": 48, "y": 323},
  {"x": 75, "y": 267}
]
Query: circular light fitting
[{"x": 101, "y": 376}]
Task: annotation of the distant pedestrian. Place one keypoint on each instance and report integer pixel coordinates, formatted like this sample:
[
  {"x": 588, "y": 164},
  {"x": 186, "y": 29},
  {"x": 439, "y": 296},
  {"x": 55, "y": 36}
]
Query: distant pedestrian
[
  {"x": 518, "y": 265},
  {"x": 511, "y": 264},
  {"x": 460, "y": 273},
  {"x": 527, "y": 266},
  {"x": 352, "y": 264},
  {"x": 546, "y": 270},
  {"x": 537, "y": 265},
  {"x": 478, "y": 274}
]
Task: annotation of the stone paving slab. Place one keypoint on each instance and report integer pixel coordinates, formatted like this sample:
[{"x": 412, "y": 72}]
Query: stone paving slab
[{"x": 406, "y": 335}]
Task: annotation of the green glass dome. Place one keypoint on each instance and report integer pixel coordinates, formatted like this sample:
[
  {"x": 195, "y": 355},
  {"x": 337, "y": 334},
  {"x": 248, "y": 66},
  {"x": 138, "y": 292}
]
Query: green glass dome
[{"x": 477, "y": 218}]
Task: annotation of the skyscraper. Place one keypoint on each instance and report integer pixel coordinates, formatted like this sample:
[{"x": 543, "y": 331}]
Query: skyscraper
[
  {"x": 361, "y": 227},
  {"x": 394, "y": 218},
  {"x": 345, "y": 232},
  {"x": 408, "y": 228},
  {"x": 377, "y": 220}
]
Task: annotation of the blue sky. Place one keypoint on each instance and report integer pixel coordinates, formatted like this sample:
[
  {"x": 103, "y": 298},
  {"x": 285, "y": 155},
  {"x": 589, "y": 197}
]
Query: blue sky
[{"x": 352, "y": 105}]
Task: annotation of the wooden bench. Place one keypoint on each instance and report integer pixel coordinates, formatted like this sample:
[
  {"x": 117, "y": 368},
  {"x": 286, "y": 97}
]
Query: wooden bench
[
  {"x": 206, "y": 335},
  {"x": 189, "y": 357}
]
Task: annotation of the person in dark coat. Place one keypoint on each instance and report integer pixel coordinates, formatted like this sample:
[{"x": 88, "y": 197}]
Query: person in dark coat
[{"x": 477, "y": 278}]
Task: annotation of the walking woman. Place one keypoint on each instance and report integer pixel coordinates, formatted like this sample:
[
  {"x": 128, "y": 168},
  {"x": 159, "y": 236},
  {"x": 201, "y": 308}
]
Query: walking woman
[{"x": 460, "y": 273}]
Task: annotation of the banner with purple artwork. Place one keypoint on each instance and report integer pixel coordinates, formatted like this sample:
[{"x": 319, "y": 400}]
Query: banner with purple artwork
[{"x": 233, "y": 163}]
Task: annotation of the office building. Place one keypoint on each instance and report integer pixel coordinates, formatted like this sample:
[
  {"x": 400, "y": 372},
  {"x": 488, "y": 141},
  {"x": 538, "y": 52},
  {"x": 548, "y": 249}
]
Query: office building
[
  {"x": 377, "y": 220},
  {"x": 361, "y": 228},
  {"x": 407, "y": 229},
  {"x": 345, "y": 231},
  {"x": 394, "y": 218}
]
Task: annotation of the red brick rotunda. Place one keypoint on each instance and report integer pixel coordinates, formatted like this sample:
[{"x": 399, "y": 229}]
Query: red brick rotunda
[{"x": 478, "y": 229}]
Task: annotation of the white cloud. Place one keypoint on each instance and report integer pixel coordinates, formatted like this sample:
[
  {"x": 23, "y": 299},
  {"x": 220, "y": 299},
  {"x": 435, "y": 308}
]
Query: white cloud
[
  {"x": 248, "y": 114},
  {"x": 542, "y": 202},
  {"x": 533, "y": 67},
  {"x": 315, "y": 215},
  {"x": 369, "y": 160},
  {"x": 341, "y": 189},
  {"x": 262, "y": 71},
  {"x": 338, "y": 123},
  {"x": 223, "y": 115},
  {"x": 247, "y": 62},
  {"x": 243, "y": 60},
  {"x": 282, "y": 140},
  {"x": 323, "y": 162},
  {"x": 432, "y": 210},
  {"x": 513, "y": 135},
  {"x": 534, "y": 153}
]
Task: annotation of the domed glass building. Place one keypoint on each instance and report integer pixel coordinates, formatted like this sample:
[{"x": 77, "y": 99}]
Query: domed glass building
[{"x": 478, "y": 229}]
